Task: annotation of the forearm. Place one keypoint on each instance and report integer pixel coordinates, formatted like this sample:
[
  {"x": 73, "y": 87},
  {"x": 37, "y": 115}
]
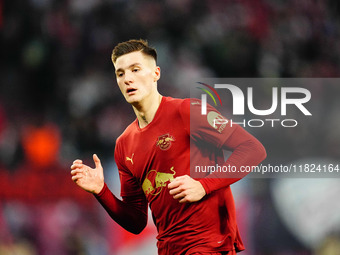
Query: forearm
[
  {"x": 247, "y": 151},
  {"x": 131, "y": 214}
]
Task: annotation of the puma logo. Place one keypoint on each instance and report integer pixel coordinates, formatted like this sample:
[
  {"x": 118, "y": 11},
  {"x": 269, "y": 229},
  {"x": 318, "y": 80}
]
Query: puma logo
[{"x": 130, "y": 159}]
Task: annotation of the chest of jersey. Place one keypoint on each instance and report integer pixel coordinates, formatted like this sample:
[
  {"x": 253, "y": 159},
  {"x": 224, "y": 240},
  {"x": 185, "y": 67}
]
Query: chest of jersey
[{"x": 158, "y": 154}]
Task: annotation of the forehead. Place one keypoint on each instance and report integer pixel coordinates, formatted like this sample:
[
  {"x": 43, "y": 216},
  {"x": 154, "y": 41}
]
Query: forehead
[{"x": 128, "y": 59}]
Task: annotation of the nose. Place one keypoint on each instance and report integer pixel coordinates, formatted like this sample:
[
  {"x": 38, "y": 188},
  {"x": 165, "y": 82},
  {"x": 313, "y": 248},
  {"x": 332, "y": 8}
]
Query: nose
[{"x": 128, "y": 78}]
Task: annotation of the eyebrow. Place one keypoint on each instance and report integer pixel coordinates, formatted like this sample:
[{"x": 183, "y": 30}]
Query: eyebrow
[{"x": 132, "y": 65}]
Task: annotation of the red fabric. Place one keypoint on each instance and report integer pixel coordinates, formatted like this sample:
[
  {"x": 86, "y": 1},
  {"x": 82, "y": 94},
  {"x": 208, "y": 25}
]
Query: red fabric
[
  {"x": 233, "y": 252},
  {"x": 131, "y": 213},
  {"x": 149, "y": 158},
  {"x": 246, "y": 150}
]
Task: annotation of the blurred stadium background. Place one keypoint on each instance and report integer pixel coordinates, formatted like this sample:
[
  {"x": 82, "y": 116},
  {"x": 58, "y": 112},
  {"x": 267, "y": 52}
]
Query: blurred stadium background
[{"x": 59, "y": 101}]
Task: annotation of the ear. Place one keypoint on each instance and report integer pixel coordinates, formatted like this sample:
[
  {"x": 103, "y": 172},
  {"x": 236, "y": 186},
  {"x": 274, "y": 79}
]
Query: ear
[{"x": 157, "y": 73}]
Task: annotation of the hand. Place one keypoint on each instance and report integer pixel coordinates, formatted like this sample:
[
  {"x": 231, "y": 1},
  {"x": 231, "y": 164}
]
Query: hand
[
  {"x": 186, "y": 189},
  {"x": 89, "y": 179}
]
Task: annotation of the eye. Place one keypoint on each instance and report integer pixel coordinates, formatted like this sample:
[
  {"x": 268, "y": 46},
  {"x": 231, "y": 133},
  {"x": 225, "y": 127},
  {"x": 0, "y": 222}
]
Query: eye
[
  {"x": 120, "y": 74},
  {"x": 135, "y": 70}
]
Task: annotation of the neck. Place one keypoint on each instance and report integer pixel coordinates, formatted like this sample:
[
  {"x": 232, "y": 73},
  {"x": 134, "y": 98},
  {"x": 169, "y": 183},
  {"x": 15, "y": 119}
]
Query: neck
[{"x": 146, "y": 111}]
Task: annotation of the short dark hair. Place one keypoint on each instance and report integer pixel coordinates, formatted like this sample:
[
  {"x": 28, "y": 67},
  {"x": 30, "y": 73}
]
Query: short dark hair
[{"x": 131, "y": 46}]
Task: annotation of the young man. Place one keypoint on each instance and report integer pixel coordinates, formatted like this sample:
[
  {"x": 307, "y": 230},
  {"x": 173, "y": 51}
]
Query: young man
[{"x": 192, "y": 216}]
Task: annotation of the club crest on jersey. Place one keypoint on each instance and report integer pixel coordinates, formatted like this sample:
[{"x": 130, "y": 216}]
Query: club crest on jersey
[{"x": 164, "y": 142}]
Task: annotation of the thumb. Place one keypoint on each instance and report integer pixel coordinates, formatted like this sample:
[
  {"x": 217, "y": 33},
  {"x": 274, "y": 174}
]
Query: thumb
[{"x": 96, "y": 161}]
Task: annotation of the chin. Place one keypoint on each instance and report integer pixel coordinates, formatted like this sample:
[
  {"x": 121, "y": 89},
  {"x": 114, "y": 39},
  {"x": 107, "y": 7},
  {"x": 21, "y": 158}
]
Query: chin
[{"x": 132, "y": 100}]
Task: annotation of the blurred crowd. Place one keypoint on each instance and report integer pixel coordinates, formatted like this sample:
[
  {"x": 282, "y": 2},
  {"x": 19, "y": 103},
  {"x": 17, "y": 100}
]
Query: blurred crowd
[{"x": 59, "y": 100}]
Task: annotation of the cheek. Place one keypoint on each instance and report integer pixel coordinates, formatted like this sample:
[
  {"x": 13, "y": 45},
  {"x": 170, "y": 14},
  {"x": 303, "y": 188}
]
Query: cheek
[
  {"x": 120, "y": 86},
  {"x": 147, "y": 78}
]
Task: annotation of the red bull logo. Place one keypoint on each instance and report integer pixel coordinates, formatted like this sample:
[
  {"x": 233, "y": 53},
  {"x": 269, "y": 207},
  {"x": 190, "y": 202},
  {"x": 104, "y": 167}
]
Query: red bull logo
[
  {"x": 164, "y": 142},
  {"x": 155, "y": 181}
]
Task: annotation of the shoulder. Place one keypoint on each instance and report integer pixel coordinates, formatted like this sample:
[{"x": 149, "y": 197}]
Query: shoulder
[
  {"x": 122, "y": 142},
  {"x": 174, "y": 101},
  {"x": 177, "y": 103},
  {"x": 185, "y": 106},
  {"x": 127, "y": 132},
  {"x": 182, "y": 102}
]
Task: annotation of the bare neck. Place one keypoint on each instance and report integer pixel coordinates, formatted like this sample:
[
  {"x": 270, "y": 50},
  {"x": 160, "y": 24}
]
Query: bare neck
[{"x": 146, "y": 110}]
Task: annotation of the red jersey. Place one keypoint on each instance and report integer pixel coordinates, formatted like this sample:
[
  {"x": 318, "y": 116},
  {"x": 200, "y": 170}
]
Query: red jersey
[{"x": 149, "y": 158}]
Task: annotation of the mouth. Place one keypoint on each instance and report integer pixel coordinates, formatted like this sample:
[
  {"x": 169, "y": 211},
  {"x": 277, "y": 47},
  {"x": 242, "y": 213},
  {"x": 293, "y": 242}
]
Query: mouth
[{"x": 130, "y": 91}]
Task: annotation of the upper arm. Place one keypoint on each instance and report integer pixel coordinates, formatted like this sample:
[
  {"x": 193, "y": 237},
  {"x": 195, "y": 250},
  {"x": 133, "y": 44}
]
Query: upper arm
[
  {"x": 129, "y": 184},
  {"x": 212, "y": 128}
]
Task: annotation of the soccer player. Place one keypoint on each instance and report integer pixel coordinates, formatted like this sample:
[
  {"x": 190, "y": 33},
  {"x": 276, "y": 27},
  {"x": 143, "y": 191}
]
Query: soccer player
[{"x": 153, "y": 155}]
